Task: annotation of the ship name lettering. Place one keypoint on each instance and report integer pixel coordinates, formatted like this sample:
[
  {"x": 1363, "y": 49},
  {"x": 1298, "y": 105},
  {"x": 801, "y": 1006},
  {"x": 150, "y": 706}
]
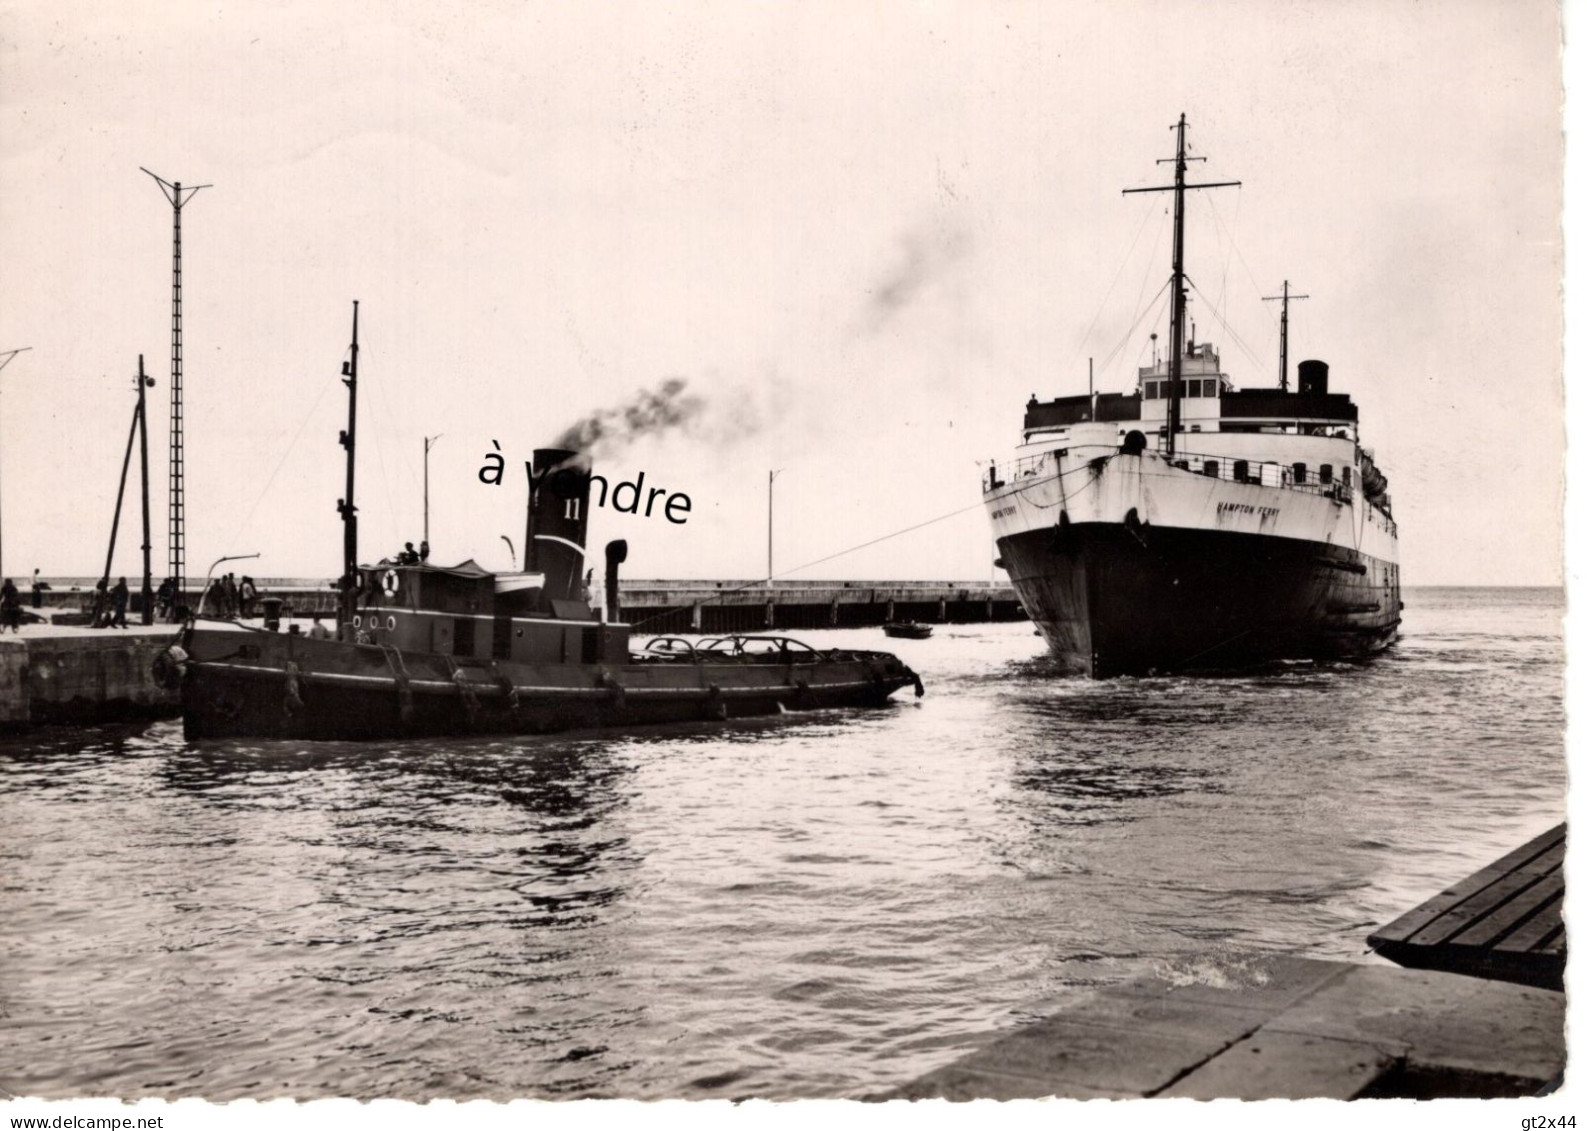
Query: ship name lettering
[
  {"x": 1002, "y": 512},
  {"x": 1246, "y": 508}
]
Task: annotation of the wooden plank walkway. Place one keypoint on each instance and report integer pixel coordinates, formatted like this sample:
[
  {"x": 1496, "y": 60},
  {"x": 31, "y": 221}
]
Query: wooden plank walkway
[{"x": 1504, "y": 922}]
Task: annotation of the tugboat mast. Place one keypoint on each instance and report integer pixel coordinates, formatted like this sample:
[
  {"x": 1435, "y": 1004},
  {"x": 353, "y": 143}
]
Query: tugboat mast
[
  {"x": 344, "y": 505},
  {"x": 1176, "y": 334}
]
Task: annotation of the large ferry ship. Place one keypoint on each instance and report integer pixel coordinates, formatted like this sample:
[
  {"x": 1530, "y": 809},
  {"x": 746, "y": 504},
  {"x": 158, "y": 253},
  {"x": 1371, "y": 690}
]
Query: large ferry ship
[{"x": 1193, "y": 525}]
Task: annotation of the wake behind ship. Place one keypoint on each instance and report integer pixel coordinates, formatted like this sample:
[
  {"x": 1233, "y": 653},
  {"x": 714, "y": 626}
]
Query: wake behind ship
[{"x": 1192, "y": 525}]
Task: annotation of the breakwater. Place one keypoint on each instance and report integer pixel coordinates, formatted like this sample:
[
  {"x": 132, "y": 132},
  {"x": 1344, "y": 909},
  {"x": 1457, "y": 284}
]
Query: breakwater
[{"x": 703, "y": 606}]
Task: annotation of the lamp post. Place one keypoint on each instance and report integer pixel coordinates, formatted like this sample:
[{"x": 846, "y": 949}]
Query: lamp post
[
  {"x": 771, "y": 478},
  {"x": 207, "y": 573},
  {"x": 429, "y": 441},
  {"x": 7, "y": 356}
]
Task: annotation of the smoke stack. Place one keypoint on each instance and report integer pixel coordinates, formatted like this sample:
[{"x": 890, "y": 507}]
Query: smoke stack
[
  {"x": 616, "y": 555},
  {"x": 1313, "y": 378},
  {"x": 559, "y": 504}
]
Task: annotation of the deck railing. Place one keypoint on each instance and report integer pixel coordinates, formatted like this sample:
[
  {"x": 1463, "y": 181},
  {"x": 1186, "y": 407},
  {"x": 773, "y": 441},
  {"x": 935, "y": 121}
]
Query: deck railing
[{"x": 1264, "y": 473}]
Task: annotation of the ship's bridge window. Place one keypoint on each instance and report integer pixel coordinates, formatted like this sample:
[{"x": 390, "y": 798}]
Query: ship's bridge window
[
  {"x": 1300, "y": 473},
  {"x": 1242, "y": 471},
  {"x": 1209, "y": 387},
  {"x": 1153, "y": 390},
  {"x": 1325, "y": 474}
]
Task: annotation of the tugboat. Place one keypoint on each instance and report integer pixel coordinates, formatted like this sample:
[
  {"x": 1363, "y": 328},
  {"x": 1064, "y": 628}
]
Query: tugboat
[
  {"x": 1190, "y": 525},
  {"x": 427, "y": 650}
]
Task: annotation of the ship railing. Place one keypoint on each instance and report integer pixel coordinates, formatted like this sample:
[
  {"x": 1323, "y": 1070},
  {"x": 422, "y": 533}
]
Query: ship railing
[
  {"x": 1312, "y": 480},
  {"x": 999, "y": 473},
  {"x": 1324, "y": 480}
]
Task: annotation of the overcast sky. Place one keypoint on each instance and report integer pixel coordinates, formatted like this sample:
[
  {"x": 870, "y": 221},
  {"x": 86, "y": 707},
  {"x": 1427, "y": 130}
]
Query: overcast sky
[{"x": 863, "y": 235}]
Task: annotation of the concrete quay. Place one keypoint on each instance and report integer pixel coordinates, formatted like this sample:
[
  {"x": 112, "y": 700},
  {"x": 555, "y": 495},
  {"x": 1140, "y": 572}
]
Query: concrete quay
[
  {"x": 1275, "y": 1027},
  {"x": 63, "y": 674}
]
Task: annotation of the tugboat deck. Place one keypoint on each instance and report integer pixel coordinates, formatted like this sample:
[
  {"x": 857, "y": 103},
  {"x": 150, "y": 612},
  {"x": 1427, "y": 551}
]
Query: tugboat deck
[{"x": 1504, "y": 922}]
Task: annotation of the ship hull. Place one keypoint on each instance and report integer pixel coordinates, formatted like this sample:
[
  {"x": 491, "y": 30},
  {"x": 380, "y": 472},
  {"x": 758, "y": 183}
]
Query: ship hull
[
  {"x": 1114, "y": 599},
  {"x": 268, "y": 685}
]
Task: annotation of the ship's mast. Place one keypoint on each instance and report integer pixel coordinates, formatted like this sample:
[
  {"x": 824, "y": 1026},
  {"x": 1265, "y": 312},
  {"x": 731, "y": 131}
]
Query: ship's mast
[
  {"x": 1176, "y": 326},
  {"x": 1283, "y": 334},
  {"x": 344, "y": 505}
]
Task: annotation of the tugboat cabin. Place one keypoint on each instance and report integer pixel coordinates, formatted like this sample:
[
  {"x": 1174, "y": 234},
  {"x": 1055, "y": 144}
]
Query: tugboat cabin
[{"x": 469, "y": 613}]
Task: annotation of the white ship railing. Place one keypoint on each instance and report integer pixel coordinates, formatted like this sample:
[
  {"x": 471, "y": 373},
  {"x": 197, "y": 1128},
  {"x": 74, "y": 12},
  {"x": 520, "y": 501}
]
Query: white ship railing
[{"x": 1263, "y": 473}]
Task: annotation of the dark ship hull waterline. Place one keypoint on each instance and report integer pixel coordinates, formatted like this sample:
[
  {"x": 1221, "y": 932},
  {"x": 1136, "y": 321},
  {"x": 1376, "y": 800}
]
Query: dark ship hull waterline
[
  {"x": 428, "y": 651},
  {"x": 1190, "y": 525},
  {"x": 252, "y": 683},
  {"x": 1282, "y": 599}
]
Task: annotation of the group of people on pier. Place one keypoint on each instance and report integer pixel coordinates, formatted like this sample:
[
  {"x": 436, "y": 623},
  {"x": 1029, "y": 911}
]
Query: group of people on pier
[{"x": 234, "y": 598}]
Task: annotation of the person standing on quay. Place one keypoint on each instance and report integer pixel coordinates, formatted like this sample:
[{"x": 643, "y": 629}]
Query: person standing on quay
[
  {"x": 118, "y": 601},
  {"x": 38, "y": 591},
  {"x": 10, "y": 607},
  {"x": 162, "y": 598}
]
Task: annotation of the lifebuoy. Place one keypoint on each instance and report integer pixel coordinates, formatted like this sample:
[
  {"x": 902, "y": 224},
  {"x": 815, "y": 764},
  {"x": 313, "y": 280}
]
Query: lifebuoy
[{"x": 390, "y": 582}]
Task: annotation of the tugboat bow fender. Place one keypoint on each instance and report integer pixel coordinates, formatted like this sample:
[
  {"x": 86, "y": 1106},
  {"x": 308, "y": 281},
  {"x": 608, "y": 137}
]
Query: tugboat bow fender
[
  {"x": 169, "y": 667},
  {"x": 292, "y": 702}
]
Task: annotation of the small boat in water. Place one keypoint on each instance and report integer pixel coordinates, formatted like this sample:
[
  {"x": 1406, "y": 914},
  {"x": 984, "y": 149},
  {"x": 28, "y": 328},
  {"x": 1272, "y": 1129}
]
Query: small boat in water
[
  {"x": 907, "y": 630},
  {"x": 429, "y": 650}
]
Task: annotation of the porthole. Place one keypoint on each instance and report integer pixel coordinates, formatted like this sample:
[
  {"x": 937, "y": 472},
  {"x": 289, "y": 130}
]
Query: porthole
[
  {"x": 391, "y": 622},
  {"x": 358, "y": 621}
]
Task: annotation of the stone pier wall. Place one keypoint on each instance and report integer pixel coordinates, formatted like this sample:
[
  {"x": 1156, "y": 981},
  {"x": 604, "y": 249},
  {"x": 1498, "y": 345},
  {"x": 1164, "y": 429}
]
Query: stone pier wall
[{"x": 82, "y": 677}]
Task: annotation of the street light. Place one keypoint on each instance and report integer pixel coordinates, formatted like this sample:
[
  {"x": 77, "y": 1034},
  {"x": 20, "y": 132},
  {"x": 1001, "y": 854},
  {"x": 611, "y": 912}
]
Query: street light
[
  {"x": 428, "y": 442},
  {"x": 771, "y": 477},
  {"x": 8, "y": 355},
  {"x": 211, "y": 570}
]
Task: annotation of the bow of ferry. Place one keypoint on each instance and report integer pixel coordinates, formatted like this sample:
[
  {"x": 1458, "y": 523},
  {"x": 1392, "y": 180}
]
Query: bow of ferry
[{"x": 1266, "y": 536}]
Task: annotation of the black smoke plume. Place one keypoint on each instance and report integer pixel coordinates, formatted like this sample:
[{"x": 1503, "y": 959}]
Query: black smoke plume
[{"x": 652, "y": 412}]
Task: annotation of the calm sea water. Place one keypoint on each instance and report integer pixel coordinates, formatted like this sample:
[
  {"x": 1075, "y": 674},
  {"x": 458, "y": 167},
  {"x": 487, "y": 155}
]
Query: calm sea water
[{"x": 824, "y": 904}]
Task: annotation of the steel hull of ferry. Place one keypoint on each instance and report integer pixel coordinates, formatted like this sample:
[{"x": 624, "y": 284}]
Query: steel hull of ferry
[
  {"x": 249, "y": 683},
  {"x": 1114, "y": 601},
  {"x": 1129, "y": 565}
]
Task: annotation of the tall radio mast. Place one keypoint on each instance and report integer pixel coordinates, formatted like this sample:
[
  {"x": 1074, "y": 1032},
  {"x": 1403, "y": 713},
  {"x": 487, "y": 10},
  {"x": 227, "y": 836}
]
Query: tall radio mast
[{"x": 176, "y": 511}]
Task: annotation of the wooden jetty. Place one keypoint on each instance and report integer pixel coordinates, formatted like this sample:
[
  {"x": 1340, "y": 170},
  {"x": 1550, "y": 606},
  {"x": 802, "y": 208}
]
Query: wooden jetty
[{"x": 1504, "y": 922}]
